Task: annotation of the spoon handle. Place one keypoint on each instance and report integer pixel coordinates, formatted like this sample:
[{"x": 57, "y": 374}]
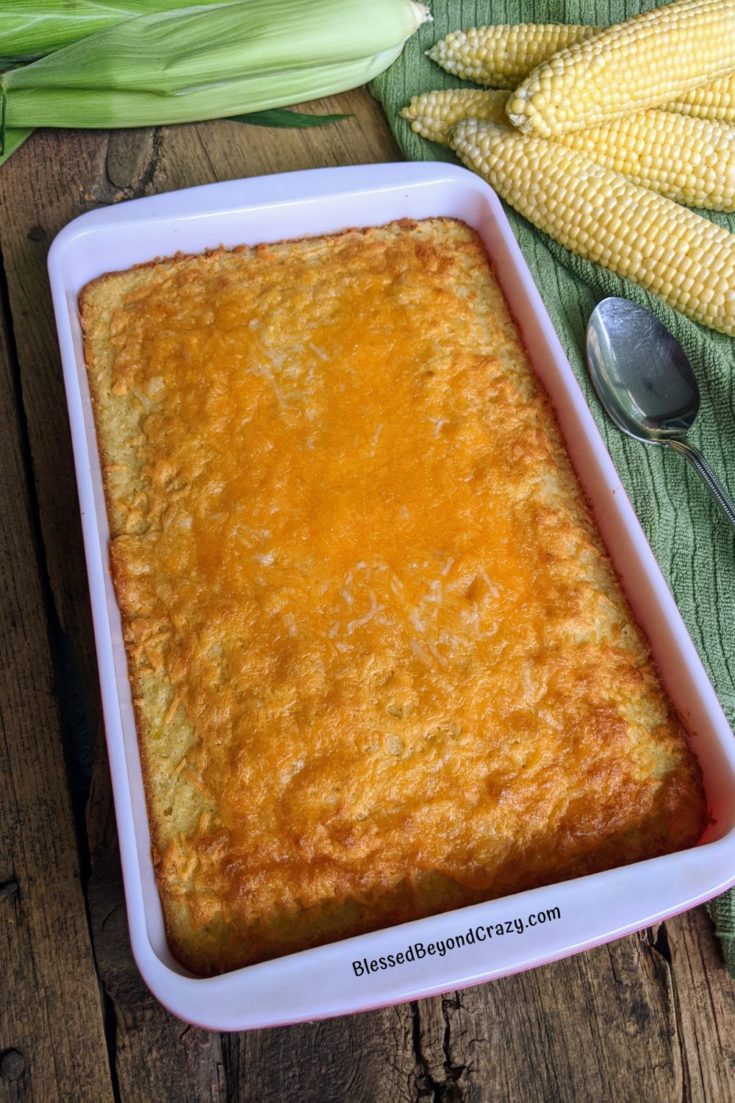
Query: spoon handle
[{"x": 700, "y": 465}]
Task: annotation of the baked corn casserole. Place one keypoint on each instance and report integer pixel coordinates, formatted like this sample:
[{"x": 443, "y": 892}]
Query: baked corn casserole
[{"x": 381, "y": 664}]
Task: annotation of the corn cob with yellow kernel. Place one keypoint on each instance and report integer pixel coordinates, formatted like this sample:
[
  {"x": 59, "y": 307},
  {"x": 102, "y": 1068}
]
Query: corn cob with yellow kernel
[
  {"x": 502, "y": 55},
  {"x": 603, "y": 217},
  {"x": 686, "y": 159},
  {"x": 715, "y": 101},
  {"x": 433, "y": 114},
  {"x": 689, "y": 160},
  {"x": 642, "y": 62}
]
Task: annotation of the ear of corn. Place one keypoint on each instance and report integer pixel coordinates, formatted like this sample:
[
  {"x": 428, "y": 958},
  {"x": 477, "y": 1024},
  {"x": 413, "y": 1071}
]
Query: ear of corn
[
  {"x": 207, "y": 63},
  {"x": 109, "y": 108},
  {"x": 645, "y": 61},
  {"x": 31, "y": 28},
  {"x": 500, "y": 56},
  {"x": 600, "y": 215},
  {"x": 503, "y": 55},
  {"x": 171, "y": 52},
  {"x": 686, "y": 159},
  {"x": 689, "y": 160},
  {"x": 715, "y": 101},
  {"x": 433, "y": 114}
]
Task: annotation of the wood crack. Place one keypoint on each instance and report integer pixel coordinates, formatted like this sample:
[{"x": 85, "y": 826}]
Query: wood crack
[
  {"x": 680, "y": 1033},
  {"x": 453, "y": 1090},
  {"x": 658, "y": 940},
  {"x": 231, "y": 1055},
  {"x": 110, "y": 1027},
  {"x": 9, "y": 890},
  {"x": 427, "y": 1087}
]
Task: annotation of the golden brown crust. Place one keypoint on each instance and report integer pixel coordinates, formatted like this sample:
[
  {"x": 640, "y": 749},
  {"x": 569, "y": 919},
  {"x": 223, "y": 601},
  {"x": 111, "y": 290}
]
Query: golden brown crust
[{"x": 381, "y": 665}]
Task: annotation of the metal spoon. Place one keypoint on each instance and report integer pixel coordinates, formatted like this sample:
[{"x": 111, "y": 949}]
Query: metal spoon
[{"x": 646, "y": 384}]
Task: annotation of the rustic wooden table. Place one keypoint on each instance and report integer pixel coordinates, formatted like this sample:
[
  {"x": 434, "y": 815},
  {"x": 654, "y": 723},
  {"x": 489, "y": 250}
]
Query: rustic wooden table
[{"x": 651, "y": 1017}]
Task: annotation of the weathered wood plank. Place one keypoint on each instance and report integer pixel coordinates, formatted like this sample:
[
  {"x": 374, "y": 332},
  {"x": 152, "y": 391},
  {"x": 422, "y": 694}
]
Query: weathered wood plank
[
  {"x": 703, "y": 995},
  {"x": 229, "y": 150},
  {"x": 599, "y": 1026},
  {"x": 46, "y": 186},
  {"x": 52, "y": 1043},
  {"x": 154, "y": 1056},
  {"x": 366, "y": 1058},
  {"x": 49, "y": 181}
]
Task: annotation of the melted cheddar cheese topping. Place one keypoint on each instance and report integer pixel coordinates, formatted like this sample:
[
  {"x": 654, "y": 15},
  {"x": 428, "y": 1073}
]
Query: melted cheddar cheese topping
[{"x": 380, "y": 661}]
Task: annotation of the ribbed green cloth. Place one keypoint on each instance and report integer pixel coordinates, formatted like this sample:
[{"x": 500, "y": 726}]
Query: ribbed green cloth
[{"x": 692, "y": 541}]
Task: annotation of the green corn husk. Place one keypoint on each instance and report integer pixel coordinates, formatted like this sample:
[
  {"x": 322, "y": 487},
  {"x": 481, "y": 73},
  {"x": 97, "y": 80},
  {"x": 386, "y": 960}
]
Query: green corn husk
[
  {"x": 194, "y": 47},
  {"x": 111, "y": 109},
  {"x": 29, "y": 29},
  {"x": 196, "y": 64}
]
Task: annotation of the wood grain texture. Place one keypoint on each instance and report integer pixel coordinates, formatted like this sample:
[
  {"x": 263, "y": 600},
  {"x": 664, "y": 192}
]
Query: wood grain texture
[
  {"x": 650, "y": 1017},
  {"x": 46, "y": 961},
  {"x": 597, "y": 1026},
  {"x": 156, "y": 1057},
  {"x": 363, "y": 1057},
  {"x": 703, "y": 998}
]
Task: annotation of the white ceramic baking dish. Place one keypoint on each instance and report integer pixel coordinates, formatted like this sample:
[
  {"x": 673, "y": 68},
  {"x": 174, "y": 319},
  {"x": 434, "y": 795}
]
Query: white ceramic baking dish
[{"x": 473, "y": 944}]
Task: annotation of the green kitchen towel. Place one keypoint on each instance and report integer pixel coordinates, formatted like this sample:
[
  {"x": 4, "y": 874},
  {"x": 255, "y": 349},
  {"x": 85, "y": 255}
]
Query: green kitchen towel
[{"x": 691, "y": 539}]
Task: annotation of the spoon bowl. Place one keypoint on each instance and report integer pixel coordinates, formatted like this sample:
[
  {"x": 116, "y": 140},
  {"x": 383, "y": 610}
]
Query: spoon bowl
[{"x": 646, "y": 384}]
